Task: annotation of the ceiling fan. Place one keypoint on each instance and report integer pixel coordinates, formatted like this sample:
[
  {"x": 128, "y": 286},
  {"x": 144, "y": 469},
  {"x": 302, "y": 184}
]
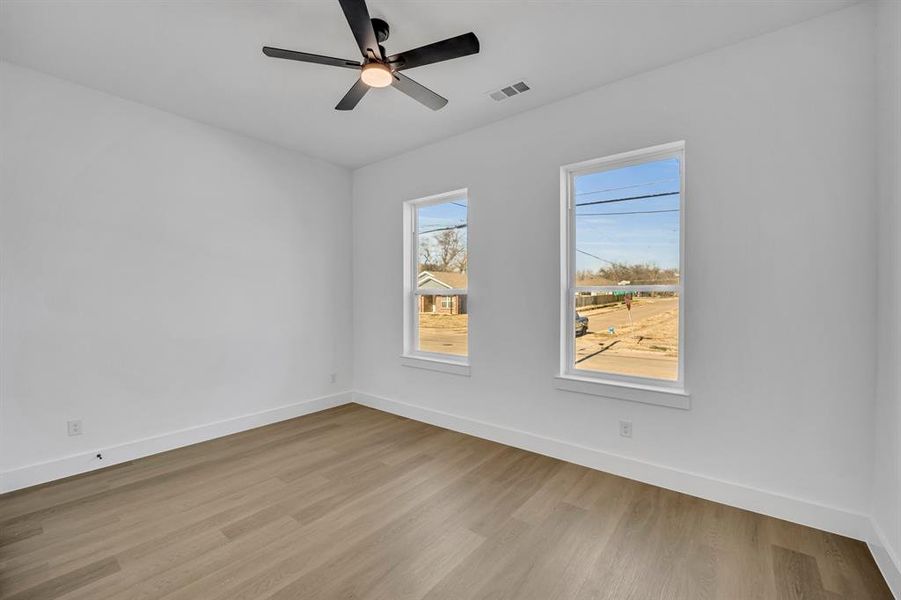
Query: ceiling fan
[{"x": 379, "y": 70}]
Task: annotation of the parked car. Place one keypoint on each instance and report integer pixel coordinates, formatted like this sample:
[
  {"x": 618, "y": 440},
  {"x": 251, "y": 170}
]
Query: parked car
[{"x": 581, "y": 325}]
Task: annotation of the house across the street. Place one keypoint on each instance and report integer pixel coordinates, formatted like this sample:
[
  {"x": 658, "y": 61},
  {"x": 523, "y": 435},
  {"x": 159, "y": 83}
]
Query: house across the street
[{"x": 437, "y": 303}]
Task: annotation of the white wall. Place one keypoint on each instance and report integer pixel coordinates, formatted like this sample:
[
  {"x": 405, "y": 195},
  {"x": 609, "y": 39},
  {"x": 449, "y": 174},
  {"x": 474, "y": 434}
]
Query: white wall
[
  {"x": 780, "y": 315},
  {"x": 886, "y": 506},
  {"x": 158, "y": 274}
]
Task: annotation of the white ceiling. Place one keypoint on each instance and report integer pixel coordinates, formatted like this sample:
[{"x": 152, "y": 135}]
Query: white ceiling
[{"x": 202, "y": 60}]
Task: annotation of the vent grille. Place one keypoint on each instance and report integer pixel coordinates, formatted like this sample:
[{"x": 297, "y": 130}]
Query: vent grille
[{"x": 508, "y": 91}]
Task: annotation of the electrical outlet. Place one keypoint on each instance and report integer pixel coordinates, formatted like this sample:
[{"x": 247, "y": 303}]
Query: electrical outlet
[
  {"x": 625, "y": 428},
  {"x": 333, "y": 377},
  {"x": 75, "y": 427}
]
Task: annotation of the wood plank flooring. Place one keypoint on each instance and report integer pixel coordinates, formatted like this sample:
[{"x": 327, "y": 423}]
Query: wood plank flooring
[{"x": 355, "y": 503}]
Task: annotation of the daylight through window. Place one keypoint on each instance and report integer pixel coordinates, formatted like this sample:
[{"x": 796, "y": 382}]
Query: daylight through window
[
  {"x": 439, "y": 319},
  {"x": 624, "y": 290}
]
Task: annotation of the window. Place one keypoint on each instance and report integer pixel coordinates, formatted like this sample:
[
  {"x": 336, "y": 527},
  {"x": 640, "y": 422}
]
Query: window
[
  {"x": 621, "y": 301},
  {"x": 436, "y": 282}
]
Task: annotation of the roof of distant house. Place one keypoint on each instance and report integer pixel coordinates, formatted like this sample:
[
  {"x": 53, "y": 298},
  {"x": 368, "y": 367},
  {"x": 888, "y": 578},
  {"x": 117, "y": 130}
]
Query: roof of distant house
[{"x": 443, "y": 279}]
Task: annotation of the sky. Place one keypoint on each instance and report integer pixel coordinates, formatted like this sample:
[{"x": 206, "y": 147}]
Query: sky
[
  {"x": 449, "y": 213},
  {"x": 628, "y": 238},
  {"x": 437, "y": 216}
]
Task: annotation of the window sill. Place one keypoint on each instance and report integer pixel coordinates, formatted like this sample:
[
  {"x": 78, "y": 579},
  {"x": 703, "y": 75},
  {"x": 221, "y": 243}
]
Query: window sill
[
  {"x": 435, "y": 364},
  {"x": 620, "y": 390}
]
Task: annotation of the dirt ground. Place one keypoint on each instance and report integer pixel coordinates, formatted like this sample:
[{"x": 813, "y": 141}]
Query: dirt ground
[{"x": 647, "y": 346}]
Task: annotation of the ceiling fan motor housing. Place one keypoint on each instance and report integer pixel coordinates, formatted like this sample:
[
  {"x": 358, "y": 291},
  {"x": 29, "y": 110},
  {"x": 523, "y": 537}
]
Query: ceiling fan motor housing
[{"x": 381, "y": 30}]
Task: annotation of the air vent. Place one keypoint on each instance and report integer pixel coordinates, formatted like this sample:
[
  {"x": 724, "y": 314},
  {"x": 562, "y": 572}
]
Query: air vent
[{"x": 508, "y": 91}]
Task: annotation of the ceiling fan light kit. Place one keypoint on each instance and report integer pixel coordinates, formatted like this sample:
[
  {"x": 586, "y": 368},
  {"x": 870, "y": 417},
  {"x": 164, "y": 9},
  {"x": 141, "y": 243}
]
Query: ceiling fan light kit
[
  {"x": 379, "y": 70},
  {"x": 376, "y": 75}
]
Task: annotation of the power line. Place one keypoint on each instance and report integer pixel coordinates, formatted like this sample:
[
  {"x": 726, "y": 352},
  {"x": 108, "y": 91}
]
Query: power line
[
  {"x": 634, "y": 212},
  {"x": 627, "y": 199},
  {"x": 626, "y": 187},
  {"x": 597, "y": 257},
  {"x": 464, "y": 225}
]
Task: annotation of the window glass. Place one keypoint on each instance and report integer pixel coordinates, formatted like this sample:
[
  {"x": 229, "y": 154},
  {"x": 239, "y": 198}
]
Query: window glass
[
  {"x": 441, "y": 284},
  {"x": 627, "y": 225},
  {"x": 625, "y": 250}
]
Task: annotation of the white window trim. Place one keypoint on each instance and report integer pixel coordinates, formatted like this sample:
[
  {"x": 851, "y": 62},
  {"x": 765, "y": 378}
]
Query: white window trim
[
  {"x": 636, "y": 389},
  {"x": 411, "y": 357}
]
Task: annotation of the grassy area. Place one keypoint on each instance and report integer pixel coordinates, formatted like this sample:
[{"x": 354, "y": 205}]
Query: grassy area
[
  {"x": 646, "y": 345},
  {"x": 658, "y": 333}
]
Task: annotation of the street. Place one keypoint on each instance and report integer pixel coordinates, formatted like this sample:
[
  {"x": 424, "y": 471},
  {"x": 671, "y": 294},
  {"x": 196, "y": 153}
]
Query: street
[{"x": 443, "y": 333}]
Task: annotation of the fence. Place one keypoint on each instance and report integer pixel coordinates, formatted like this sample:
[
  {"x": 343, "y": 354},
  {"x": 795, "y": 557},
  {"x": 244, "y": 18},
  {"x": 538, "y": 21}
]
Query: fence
[{"x": 586, "y": 301}]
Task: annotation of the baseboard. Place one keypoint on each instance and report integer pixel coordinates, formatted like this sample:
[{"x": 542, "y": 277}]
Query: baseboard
[
  {"x": 813, "y": 514},
  {"x": 805, "y": 512},
  {"x": 82, "y": 463},
  {"x": 886, "y": 559}
]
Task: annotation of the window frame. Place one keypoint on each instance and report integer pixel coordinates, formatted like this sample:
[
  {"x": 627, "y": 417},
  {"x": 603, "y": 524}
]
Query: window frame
[
  {"x": 411, "y": 355},
  {"x": 629, "y": 387}
]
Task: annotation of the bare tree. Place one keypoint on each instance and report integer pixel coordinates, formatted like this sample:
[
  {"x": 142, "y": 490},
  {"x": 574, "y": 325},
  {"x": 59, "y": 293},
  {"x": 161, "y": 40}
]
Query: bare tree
[
  {"x": 444, "y": 252},
  {"x": 450, "y": 249},
  {"x": 426, "y": 255},
  {"x": 638, "y": 274}
]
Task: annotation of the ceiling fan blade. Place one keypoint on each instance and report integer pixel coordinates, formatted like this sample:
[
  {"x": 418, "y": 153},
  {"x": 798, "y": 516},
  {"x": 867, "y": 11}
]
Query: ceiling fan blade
[
  {"x": 418, "y": 92},
  {"x": 455, "y": 47},
  {"x": 310, "y": 58},
  {"x": 353, "y": 96},
  {"x": 361, "y": 26}
]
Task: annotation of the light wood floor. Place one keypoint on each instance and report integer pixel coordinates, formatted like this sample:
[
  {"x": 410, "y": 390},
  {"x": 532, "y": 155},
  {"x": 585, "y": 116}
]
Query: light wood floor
[{"x": 355, "y": 503}]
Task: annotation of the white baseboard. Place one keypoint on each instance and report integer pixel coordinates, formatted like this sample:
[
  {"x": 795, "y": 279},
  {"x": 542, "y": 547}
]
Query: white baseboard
[
  {"x": 82, "y": 463},
  {"x": 828, "y": 518},
  {"x": 886, "y": 559}
]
